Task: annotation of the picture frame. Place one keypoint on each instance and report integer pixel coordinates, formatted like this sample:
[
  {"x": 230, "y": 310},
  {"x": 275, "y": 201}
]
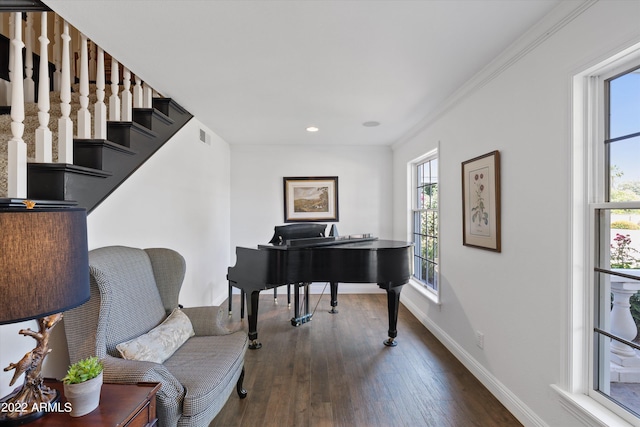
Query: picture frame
[
  {"x": 481, "y": 202},
  {"x": 310, "y": 199}
]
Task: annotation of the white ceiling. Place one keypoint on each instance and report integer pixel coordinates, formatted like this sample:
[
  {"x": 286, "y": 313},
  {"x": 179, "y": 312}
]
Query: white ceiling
[{"x": 262, "y": 71}]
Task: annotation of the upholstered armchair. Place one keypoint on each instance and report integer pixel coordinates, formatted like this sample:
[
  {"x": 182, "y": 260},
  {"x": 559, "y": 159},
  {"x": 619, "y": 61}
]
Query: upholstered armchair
[{"x": 132, "y": 313}]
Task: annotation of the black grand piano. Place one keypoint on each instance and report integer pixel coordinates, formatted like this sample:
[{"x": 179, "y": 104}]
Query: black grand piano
[{"x": 291, "y": 259}]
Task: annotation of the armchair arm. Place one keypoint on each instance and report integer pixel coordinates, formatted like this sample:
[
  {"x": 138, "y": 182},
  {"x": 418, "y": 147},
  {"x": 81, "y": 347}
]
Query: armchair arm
[
  {"x": 207, "y": 320},
  {"x": 117, "y": 370}
]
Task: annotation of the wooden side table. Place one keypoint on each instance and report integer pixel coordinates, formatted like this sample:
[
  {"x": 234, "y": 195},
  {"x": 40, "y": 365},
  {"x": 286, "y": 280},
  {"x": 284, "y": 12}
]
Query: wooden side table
[{"x": 121, "y": 405}]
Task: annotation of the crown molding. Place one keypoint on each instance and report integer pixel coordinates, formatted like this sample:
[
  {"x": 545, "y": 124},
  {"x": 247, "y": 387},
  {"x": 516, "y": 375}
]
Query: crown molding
[{"x": 554, "y": 21}]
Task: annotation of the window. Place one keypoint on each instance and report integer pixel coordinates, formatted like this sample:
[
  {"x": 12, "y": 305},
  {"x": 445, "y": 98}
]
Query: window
[
  {"x": 425, "y": 221},
  {"x": 616, "y": 243}
]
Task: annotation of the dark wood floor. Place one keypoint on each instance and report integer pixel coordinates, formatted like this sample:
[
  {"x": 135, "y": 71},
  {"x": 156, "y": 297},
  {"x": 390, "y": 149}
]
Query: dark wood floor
[{"x": 334, "y": 371}]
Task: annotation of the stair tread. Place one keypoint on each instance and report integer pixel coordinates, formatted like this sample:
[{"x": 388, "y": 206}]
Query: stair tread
[
  {"x": 105, "y": 143},
  {"x": 68, "y": 167}
]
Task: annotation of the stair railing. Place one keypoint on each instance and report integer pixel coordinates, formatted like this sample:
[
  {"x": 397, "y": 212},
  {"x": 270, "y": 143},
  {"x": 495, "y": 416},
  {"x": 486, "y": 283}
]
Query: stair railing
[{"x": 21, "y": 90}]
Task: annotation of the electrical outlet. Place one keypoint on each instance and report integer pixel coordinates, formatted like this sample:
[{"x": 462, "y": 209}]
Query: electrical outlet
[{"x": 479, "y": 339}]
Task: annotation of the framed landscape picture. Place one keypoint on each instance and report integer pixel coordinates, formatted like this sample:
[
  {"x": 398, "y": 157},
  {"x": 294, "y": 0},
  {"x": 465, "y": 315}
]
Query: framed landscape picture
[
  {"x": 308, "y": 199},
  {"x": 481, "y": 202}
]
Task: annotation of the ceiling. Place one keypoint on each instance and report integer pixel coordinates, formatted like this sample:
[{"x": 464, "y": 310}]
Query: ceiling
[{"x": 262, "y": 71}]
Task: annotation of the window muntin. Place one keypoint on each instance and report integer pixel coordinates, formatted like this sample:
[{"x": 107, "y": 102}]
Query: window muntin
[
  {"x": 616, "y": 245},
  {"x": 425, "y": 222},
  {"x": 622, "y": 141},
  {"x": 624, "y": 104}
]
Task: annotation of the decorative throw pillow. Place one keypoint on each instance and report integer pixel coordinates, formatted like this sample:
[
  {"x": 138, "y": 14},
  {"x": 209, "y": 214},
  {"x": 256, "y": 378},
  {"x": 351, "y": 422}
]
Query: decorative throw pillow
[{"x": 161, "y": 342}]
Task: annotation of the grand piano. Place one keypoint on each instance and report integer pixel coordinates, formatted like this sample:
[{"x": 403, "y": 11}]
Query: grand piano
[{"x": 293, "y": 260}]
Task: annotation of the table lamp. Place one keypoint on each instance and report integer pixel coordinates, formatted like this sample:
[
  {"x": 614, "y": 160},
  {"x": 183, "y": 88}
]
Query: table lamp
[{"x": 44, "y": 270}]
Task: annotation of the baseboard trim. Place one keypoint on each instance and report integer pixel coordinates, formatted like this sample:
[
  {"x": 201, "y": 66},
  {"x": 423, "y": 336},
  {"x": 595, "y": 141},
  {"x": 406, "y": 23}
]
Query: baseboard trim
[{"x": 521, "y": 411}]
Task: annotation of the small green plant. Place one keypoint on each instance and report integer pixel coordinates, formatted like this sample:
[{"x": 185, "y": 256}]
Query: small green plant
[{"x": 83, "y": 370}]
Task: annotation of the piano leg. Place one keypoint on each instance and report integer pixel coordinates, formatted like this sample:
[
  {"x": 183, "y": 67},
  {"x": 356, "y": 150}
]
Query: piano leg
[
  {"x": 334, "y": 297},
  {"x": 307, "y": 301},
  {"x": 252, "y": 314},
  {"x": 393, "y": 304},
  {"x": 241, "y": 301},
  {"x": 242, "y": 297}
]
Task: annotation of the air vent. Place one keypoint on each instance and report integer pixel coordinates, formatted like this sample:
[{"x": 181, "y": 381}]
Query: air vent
[{"x": 205, "y": 137}]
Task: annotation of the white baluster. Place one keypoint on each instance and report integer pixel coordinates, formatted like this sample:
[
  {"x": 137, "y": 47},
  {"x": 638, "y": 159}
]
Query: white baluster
[
  {"x": 43, "y": 133},
  {"x": 127, "y": 113},
  {"x": 84, "y": 116},
  {"x": 3, "y": 83},
  {"x": 100, "y": 108},
  {"x": 147, "y": 96},
  {"x": 114, "y": 101},
  {"x": 56, "y": 53},
  {"x": 11, "y": 37},
  {"x": 17, "y": 168},
  {"x": 65, "y": 126},
  {"x": 137, "y": 93},
  {"x": 29, "y": 84},
  {"x": 92, "y": 61}
]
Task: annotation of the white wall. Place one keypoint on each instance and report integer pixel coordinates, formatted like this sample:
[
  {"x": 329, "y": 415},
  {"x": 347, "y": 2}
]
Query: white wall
[
  {"x": 364, "y": 189},
  {"x": 178, "y": 199},
  {"x": 517, "y": 298}
]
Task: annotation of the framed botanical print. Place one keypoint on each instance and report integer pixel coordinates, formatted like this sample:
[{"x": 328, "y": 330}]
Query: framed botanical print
[
  {"x": 308, "y": 199},
  {"x": 481, "y": 202}
]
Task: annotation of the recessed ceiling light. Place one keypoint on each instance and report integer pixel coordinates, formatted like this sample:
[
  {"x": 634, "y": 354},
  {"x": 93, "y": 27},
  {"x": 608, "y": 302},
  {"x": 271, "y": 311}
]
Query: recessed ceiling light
[
  {"x": 371, "y": 124},
  {"x": 312, "y": 129}
]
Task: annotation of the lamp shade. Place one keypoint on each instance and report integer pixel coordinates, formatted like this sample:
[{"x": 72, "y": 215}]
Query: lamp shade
[{"x": 44, "y": 262}]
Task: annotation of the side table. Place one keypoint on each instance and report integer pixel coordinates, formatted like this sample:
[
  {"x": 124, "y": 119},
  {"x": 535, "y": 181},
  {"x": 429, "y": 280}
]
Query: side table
[{"x": 121, "y": 405}]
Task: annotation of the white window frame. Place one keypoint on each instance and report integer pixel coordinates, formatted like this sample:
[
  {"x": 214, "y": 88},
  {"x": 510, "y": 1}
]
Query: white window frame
[
  {"x": 576, "y": 389},
  {"x": 429, "y": 292}
]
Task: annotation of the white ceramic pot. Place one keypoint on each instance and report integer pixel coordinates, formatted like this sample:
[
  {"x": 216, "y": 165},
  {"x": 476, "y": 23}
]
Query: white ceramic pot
[{"x": 84, "y": 397}]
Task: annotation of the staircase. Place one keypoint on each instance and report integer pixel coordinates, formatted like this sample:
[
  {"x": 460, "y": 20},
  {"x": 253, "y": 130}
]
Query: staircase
[{"x": 99, "y": 165}]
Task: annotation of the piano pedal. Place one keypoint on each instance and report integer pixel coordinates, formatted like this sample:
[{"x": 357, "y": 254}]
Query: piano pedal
[
  {"x": 275, "y": 301},
  {"x": 254, "y": 345},
  {"x": 300, "y": 320}
]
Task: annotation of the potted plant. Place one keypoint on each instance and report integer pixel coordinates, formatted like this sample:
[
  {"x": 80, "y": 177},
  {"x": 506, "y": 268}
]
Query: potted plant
[{"x": 82, "y": 385}]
